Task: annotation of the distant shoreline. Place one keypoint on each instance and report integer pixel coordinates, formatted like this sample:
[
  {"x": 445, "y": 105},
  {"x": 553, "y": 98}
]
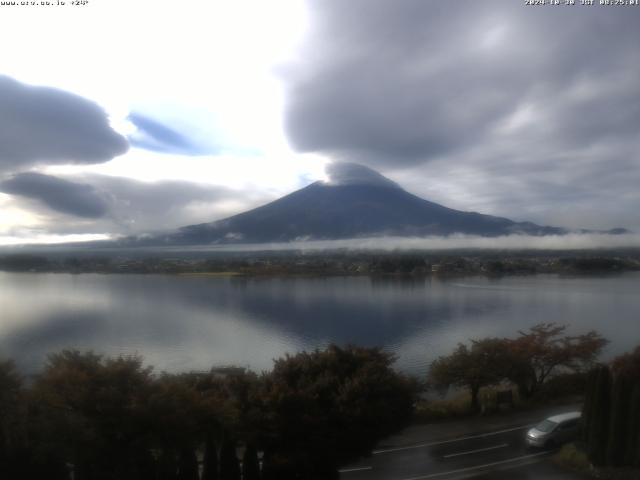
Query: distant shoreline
[{"x": 328, "y": 264}]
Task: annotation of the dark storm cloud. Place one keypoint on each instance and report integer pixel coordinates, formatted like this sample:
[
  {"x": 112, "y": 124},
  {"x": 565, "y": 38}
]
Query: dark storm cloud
[
  {"x": 155, "y": 136},
  {"x": 46, "y": 125},
  {"x": 406, "y": 81},
  {"x": 503, "y": 103},
  {"x": 79, "y": 199}
]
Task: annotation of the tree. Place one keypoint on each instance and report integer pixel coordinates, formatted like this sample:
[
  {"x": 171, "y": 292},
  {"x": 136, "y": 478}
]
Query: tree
[
  {"x": 538, "y": 353},
  {"x": 167, "y": 466},
  {"x": 596, "y": 419},
  {"x": 11, "y": 418},
  {"x": 619, "y": 418},
  {"x": 210, "y": 461},
  {"x": 628, "y": 364},
  {"x": 588, "y": 406},
  {"x": 626, "y": 408},
  {"x": 484, "y": 363},
  {"x": 187, "y": 464},
  {"x": 92, "y": 411},
  {"x": 326, "y": 407},
  {"x": 612, "y": 412},
  {"x": 632, "y": 451},
  {"x": 229, "y": 465},
  {"x": 250, "y": 463}
]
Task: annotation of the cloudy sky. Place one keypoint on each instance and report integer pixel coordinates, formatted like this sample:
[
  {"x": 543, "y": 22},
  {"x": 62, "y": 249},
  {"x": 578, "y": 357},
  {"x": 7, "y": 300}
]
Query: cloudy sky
[{"x": 128, "y": 116}]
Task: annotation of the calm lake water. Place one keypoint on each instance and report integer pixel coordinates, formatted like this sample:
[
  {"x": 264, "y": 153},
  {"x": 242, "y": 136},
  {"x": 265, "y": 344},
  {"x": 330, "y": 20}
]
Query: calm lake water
[{"x": 186, "y": 323}]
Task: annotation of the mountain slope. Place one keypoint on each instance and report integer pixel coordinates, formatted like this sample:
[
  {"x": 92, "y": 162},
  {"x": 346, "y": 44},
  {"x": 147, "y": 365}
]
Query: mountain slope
[{"x": 329, "y": 211}]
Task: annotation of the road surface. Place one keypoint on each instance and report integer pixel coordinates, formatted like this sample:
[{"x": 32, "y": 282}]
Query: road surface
[{"x": 485, "y": 454}]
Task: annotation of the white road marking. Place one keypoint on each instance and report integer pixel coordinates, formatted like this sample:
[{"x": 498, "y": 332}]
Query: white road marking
[
  {"x": 502, "y": 468},
  {"x": 443, "y": 442},
  {"x": 478, "y": 467},
  {"x": 358, "y": 469},
  {"x": 469, "y": 452}
]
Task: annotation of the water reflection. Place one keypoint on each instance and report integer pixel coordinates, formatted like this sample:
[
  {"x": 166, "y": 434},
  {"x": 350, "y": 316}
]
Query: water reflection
[{"x": 181, "y": 323}]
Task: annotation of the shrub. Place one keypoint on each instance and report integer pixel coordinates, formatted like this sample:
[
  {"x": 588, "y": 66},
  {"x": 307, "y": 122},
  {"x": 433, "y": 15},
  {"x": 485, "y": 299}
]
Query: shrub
[
  {"x": 572, "y": 457},
  {"x": 427, "y": 411},
  {"x": 562, "y": 385}
]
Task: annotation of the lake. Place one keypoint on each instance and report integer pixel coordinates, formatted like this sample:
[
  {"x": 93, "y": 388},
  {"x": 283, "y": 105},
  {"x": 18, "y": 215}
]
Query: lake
[{"x": 180, "y": 323}]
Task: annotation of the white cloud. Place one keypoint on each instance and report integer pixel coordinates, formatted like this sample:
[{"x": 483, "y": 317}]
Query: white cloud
[
  {"x": 457, "y": 104},
  {"x": 215, "y": 56},
  {"x": 197, "y": 66}
]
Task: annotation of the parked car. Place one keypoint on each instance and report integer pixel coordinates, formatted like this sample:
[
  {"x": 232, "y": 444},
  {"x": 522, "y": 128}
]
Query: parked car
[{"x": 555, "y": 430}]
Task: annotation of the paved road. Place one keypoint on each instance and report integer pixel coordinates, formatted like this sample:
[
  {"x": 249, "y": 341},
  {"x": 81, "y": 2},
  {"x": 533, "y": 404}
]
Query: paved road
[{"x": 487, "y": 455}]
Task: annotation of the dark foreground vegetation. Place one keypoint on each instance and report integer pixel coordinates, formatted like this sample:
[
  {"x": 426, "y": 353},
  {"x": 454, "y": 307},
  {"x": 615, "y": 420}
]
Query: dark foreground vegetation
[
  {"x": 612, "y": 413},
  {"x": 112, "y": 418},
  {"x": 90, "y": 417},
  {"x": 610, "y": 445},
  {"x": 416, "y": 263}
]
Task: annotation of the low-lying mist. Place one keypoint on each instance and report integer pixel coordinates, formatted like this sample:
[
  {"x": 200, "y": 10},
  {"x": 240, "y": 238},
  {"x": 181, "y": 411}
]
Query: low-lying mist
[
  {"x": 569, "y": 242},
  {"x": 576, "y": 241}
]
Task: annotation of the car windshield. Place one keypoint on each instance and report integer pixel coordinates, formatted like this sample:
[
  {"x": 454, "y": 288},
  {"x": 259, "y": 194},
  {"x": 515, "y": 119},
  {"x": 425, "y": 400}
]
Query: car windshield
[{"x": 546, "y": 426}]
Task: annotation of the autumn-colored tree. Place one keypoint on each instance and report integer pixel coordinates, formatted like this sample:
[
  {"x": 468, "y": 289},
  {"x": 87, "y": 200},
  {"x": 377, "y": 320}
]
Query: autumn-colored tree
[
  {"x": 482, "y": 364},
  {"x": 543, "y": 350},
  {"x": 627, "y": 364}
]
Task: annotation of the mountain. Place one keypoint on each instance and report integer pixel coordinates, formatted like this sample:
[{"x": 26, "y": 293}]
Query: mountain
[{"x": 356, "y": 202}]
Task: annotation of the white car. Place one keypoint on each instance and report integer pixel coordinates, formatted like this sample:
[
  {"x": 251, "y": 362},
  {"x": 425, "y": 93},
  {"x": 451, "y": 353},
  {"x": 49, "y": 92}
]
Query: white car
[{"x": 555, "y": 430}]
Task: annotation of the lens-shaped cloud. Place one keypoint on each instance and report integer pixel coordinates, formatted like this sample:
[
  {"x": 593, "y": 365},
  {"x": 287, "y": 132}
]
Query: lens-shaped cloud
[
  {"x": 78, "y": 199},
  {"x": 154, "y": 135},
  {"x": 42, "y": 125}
]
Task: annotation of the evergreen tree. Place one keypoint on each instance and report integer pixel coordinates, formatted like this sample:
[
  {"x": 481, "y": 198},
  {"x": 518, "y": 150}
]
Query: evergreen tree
[
  {"x": 250, "y": 464},
  {"x": 145, "y": 465},
  {"x": 587, "y": 408},
  {"x": 188, "y": 465},
  {"x": 620, "y": 414},
  {"x": 229, "y": 465},
  {"x": 167, "y": 466},
  {"x": 632, "y": 450},
  {"x": 268, "y": 472},
  {"x": 598, "y": 424},
  {"x": 210, "y": 470},
  {"x": 11, "y": 418},
  {"x": 628, "y": 366},
  {"x": 278, "y": 467}
]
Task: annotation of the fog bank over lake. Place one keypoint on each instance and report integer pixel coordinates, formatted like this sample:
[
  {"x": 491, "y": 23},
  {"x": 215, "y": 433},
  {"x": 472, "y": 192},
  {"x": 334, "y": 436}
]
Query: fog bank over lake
[
  {"x": 180, "y": 323},
  {"x": 570, "y": 241}
]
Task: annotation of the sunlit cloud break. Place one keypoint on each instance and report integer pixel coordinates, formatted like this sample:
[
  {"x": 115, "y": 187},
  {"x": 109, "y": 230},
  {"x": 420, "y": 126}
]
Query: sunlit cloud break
[{"x": 50, "y": 239}]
